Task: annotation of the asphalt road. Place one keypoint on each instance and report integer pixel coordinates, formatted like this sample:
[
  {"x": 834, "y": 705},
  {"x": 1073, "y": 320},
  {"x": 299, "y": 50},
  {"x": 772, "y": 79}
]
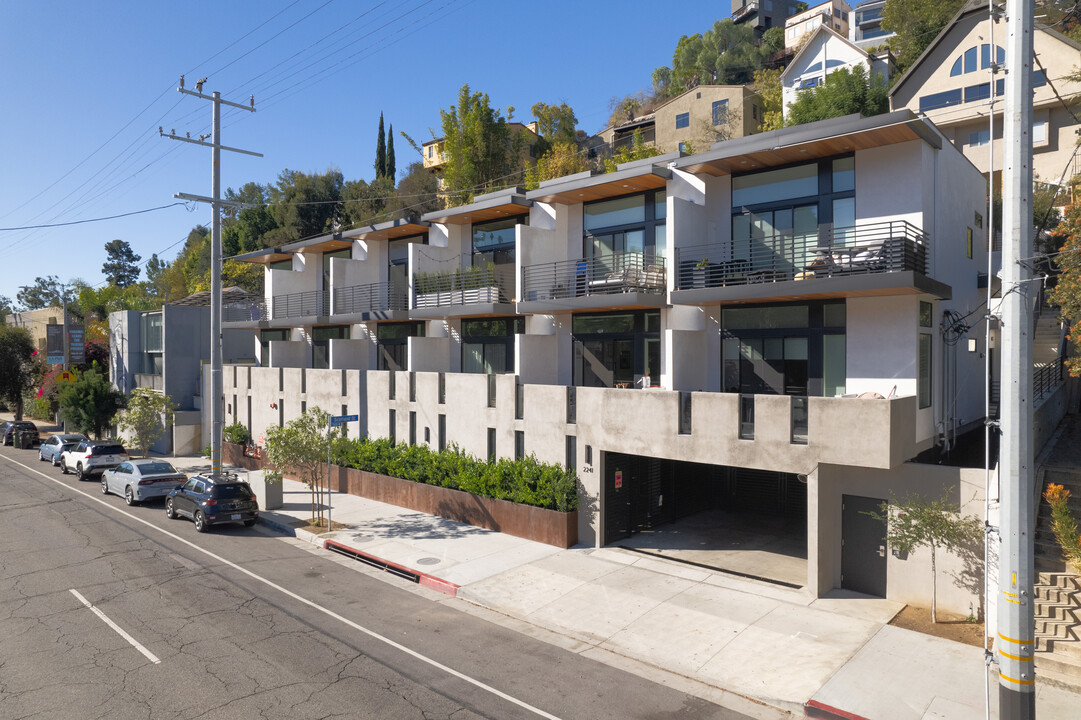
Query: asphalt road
[{"x": 114, "y": 612}]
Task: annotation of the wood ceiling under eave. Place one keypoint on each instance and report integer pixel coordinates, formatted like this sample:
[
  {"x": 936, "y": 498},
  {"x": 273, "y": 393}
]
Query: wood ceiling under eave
[
  {"x": 825, "y": 147},
  {"x": 478, "y": 216},
  {"x": 615, "y": 188},
  {"x": 396, "y": 232},
  {"x": 265, "y": 259},
  {"x": 325, "y": 246}
]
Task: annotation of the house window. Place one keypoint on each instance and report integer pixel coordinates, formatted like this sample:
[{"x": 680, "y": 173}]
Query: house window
[
  {"x": 969, "y": 243},
  {"x": 720, "y": 112},
  {"x": 683, "y": 120},
  {"x": 940, "y": 100},
  {"x": 430, "y": 149},
  {"x": 754, "y": 111},
  {"x": 392, "y": 343},
  {"x": 265, "y": 338},
  {"x": 789, "y": 349},
  {"x": 978, "y": 138},
  {"x": 321, "y": 337},
  {"x": 392, "y": 433},
  {"x": 926, "y": 314},
  {"x": 617, "y": 349},
  {"x": 488, "y": 344},
  {"x": 412, "y": 428},
  {"x": 491, "y": 444},
  {"x": 923, "y": 380},
  {"x": 494, "y": 246},
  {"x": 1039, "y": 132},
  {"x": 625, "y": 229},
  {"x": 571, "y": 459},
  {"x": 966, "y": 61},
  {"x": 442, "y": 432},
  {"x": 684, "y": 148},
  {"x": 519, "y": 444}
]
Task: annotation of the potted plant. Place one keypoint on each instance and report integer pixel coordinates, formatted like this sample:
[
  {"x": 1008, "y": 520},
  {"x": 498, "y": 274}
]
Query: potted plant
[{"x": 698, "y": 274}]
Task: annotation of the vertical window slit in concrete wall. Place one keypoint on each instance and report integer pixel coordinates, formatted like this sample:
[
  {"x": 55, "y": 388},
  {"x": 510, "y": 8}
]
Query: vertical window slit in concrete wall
[{"x": 345, "y": 386}]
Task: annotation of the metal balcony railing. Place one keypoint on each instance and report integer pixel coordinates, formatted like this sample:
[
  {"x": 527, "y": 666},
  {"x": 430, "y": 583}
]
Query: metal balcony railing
[
  {"x": 604, "y": 275},
  {"x": 873, "y": 248},
  {"x": 373, "y": 297},
  {"x": 301, "y": 304},
  {"x": 254, "y": 310},
  {"x": 1046, "y": 377},
  {"x": 479, "y": 284}
]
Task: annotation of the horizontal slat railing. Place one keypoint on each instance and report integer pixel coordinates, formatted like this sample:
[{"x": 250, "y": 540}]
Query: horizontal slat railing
[
  {"x": 255, "y": 310},
  {"x": 301, "y": 304},
  {"x": 373, "y": 297},
  {"x": 884, "y": 247},
  {"x": 605, "y": 275}
]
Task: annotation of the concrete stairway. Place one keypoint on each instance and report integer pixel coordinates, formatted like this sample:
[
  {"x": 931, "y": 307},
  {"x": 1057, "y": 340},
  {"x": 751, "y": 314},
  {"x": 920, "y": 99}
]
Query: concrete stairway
[
  {"x": 1045, "y": 340},
  {"x": 1058, "y": 629}
]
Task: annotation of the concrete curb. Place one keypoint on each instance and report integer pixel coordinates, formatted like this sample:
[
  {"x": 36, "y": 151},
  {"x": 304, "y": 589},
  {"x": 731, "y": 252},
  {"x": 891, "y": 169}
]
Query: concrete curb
[
  {"x": 421, "y": 578},
  {"x": 821, "y": 711}
]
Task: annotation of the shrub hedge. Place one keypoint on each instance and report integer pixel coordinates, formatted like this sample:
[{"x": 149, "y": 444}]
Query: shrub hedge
[{"x": 524, "y": 481}]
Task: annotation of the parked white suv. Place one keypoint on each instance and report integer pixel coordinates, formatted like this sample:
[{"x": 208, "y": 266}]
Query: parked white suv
[{"x": 92, "y": 457}]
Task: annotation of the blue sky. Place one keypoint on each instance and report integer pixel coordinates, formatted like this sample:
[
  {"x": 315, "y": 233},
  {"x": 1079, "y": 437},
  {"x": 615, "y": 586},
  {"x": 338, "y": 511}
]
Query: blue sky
[{"x": 86, "y": 85}]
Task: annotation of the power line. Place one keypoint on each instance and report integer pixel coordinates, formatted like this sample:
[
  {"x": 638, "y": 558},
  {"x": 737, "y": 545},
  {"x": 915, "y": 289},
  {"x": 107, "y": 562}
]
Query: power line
[{"x": 80, "y": 222}]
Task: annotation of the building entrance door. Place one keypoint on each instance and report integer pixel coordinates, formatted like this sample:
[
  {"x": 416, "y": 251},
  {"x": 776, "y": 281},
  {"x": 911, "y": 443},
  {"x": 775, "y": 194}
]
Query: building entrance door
[{"x": 863, "y": 546}]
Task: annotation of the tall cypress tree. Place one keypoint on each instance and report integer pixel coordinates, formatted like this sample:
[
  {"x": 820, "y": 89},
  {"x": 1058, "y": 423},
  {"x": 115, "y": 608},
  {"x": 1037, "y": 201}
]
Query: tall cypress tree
[
  {"x": 380, "y": 151},
  {"x": 390, "y": 167}
]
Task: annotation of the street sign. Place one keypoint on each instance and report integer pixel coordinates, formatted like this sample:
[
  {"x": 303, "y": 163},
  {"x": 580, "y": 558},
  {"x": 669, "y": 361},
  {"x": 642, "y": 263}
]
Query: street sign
[
  {"x": 66, "y": 376},
  {"x": 76, "y": 345},
  {"x": 54, "y": 344},
  {"x": 343, "y": 419}
]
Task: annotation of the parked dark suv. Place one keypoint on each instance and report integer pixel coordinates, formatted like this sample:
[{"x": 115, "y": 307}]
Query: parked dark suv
[
  {"x": 209, "y": 500},
  {"x": 10, "y": 428}
]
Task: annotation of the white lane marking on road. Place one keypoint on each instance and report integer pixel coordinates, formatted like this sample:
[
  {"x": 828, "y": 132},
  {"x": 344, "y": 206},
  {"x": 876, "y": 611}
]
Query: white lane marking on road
[
  {"x": 289, "y": 593},
  {"x": 119, "y": 630}
]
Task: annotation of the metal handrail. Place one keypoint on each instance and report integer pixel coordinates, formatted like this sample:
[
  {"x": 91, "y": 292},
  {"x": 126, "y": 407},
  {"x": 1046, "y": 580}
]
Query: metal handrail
[
  {"x": 373, "y": 297},
  {"x": 891, "y": 246},
  {"x": 1046, "y": 377},
  {"x": 255, "y": 311},
  {"x": 301, "y": 304},
  {"x": 603, "y": 275}
]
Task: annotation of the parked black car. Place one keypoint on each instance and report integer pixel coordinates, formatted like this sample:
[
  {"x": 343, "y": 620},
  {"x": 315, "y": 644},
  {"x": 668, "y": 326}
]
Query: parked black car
[
  {"x": 209, "y": 500},
  {"x": 11, "y": 427}
]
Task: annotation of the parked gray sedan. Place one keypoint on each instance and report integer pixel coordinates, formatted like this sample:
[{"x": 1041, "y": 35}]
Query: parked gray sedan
[
  {"x": 49, "y": 450},
  {"x": 139, "y": 480}
]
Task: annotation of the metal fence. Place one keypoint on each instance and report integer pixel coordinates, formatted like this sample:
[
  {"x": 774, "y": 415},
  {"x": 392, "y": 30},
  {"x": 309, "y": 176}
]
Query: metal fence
[
  {"x": 1046, "y": 377},
  {"x": 254, "y": 310},
  {"x": 603, "y": 275},
  {"x": 373, "y": 297},
  {"x": 829, "y": 252}
]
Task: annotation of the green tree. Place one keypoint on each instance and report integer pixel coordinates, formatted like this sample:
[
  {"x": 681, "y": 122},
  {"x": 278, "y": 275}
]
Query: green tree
[
  {"x": 1067, "y": 291},
  {"x": 147, "y": 415},
  {"x": 418, "y": 192},
  {"x": 844, "y": 92},
  {"x": 156, "y": 277},
  {"x": 562, "y": 158},
  {"x": 917, "y": 23},
  {"x": 300, "y": 446},
  {"x": 90, "y": 402},
  {"x": 915, "y": 521},
  {"x": 121, "y": 266},
  {"x": 480, "y": 152},
  {"x": 555, "y": 124},
  {"x": 637, "y": 150},
  {"x": 303, "y": 205},
  {"x": 381, "y": 150},
  {"x": 5, "y": 308},
  {"x": 391, "y": 166},
  {"x": 45, "y": 292},
  {"x": 767, "y": 83},
  {"x": 18, "y": 372}
]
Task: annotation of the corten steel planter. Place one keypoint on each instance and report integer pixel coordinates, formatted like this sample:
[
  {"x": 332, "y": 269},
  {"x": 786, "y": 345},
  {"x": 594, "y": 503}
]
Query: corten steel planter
[{"x": 533, "y": 523}]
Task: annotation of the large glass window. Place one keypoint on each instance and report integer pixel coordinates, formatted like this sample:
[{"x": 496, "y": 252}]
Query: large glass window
[
  {"x": 494, "y": 246},
  {"x": 774, "y": 185},
  {"x": 617, "y": 349},
  {"x": 321, "y": 337},
  {"x": 793, "y": 349},
  {"x": 265, "y": 338},
  {"x": 488, "y": 344},
  {"x": 720, "y": 112},
  {"x": 392, "y": 343},
  {"x": 923, "y": 380},
  {"x": 633, "y": 225}
]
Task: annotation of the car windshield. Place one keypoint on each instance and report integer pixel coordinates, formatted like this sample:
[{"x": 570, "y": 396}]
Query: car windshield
[
  {"x": 234, "y": 490},
  {"x": 156, "y": 468}
]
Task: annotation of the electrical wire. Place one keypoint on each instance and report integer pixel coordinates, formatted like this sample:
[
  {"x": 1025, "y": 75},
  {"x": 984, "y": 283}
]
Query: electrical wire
[{"x": 90, "y": 220}]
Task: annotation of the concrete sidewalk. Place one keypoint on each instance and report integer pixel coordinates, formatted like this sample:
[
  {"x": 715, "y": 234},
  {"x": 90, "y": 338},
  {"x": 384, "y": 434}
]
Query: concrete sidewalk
[{"x": 758, "y": 648}]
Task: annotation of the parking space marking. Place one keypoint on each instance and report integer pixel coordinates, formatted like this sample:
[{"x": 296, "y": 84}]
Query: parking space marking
[
  {"x": 289, "y": 593},
  {"x": 119, "y": 630}
]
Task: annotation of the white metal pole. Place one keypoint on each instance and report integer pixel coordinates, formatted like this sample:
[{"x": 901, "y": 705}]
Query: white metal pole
[{"x": 1016, "y": 624}]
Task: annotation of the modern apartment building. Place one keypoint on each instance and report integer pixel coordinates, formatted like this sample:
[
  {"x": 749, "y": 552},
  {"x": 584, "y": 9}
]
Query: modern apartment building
[
  {"x": 768, "y": 327},
  {"x": 763, "y": 14},
  {"x": 866, "y": 27},
  {"x": 952, "y": 84}
]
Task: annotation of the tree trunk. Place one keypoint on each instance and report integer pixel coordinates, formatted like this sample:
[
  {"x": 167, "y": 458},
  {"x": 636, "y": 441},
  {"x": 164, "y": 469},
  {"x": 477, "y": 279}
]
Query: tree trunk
[{"x": 934, "y": 585}]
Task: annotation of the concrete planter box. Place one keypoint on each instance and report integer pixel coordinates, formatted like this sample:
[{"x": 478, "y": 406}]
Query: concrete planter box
[
  {"x": 547, "y": 526},
  {"x": 488, "y": 294}
]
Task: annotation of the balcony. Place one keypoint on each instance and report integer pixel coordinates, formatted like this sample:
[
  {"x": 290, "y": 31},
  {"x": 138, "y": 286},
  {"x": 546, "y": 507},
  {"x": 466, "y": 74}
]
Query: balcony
[
  {"x": 745, "y": 11},
  {"x": 887, "y": 258},
  {"x": 310, "y": 304},
  {"x": 243, "y": 312},
  {"x": 476, "y": 290},
  {"x": 372, "y": 301},
  {"x": 616, "y": 280}
]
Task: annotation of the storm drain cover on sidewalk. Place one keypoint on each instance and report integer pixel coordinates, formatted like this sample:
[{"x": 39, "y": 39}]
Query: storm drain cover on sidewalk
[{"x": 428, "y": 561}]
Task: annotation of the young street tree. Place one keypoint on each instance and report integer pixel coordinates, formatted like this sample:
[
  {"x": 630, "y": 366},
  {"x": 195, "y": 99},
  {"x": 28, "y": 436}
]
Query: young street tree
[
  {"x": 300, "y": 446},
  {"x": 121, "y": 267},
  {"x": 17, "y": 368},
  {"x": 90, "y": 403},
  {"x": 147, "y": 415},
  {"x": 914, "y": 521}
]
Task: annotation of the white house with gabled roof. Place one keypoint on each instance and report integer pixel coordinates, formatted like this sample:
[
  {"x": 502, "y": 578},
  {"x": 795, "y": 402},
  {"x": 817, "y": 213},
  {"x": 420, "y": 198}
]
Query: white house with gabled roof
[{"x": 824, "y": 52}]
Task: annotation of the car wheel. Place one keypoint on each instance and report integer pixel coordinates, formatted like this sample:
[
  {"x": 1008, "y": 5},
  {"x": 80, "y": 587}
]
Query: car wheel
[
  {"x": 200, "y": 521},
  {"x": 56, "y": 461},
  {"x": 63, "y": 467},
  {"x": 129, "y": 496},
  {"x": 249, "y": 523},
  {"x": 104, "y": 486},
  {"x": 40, "y": 456},
  {"x": 79, "y": 474},
  {"x": 170, "y": 511}
]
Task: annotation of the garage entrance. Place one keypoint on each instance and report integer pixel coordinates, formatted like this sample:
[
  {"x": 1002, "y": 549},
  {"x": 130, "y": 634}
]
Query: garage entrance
[{"x": 747, "y": 522}]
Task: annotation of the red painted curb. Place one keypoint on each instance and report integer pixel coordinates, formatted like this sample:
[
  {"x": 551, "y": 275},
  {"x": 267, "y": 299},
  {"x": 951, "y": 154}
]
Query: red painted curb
[
  {"x": 815, "y": 709},
  {"x": 423, "y": 578}
]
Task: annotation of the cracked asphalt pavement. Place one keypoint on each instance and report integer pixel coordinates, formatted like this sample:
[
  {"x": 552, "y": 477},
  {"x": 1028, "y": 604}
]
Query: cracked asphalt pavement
[{"x": 234, "y": 645}]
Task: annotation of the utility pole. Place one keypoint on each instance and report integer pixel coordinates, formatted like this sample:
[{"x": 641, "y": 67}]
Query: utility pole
[
  {"x": 217, "y": 415},
  {"x": 1016, "y": 624}
]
